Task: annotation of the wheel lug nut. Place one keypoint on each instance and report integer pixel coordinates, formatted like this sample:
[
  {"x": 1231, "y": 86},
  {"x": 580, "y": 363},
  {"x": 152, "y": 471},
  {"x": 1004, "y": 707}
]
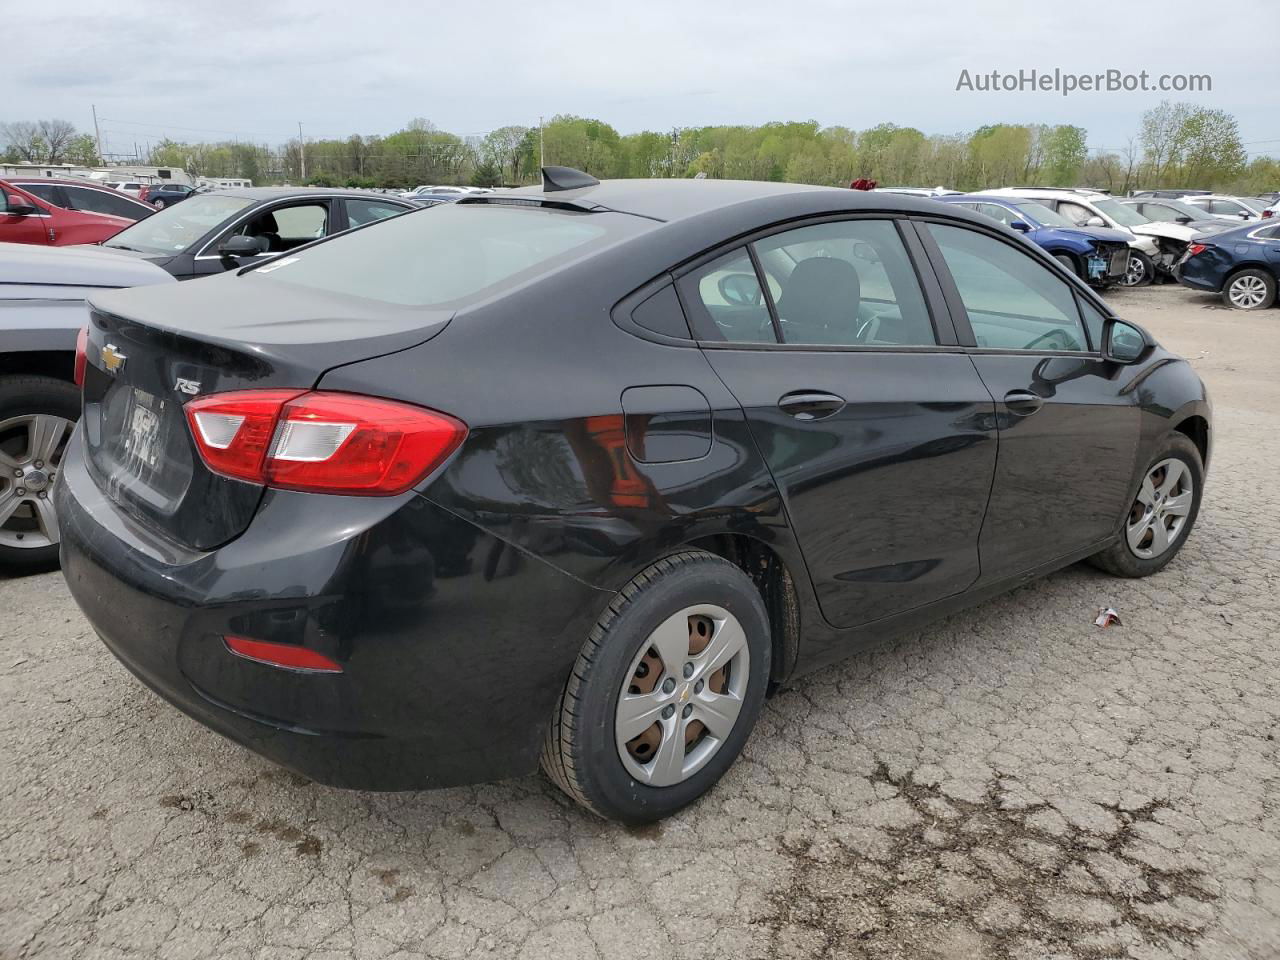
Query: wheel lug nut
[
  {"x": 667, "y": 711},
  {"x": 39, "y": 464},
  {"x": 668, "y": 684},
  {"x": 41, "y": 494},
  {"x": 22, "y": 492},
  {"x": 688, "y": 670},
  {"x": 688, "y": 709},
  {"x": 17, "y": 473},
  {"x": 697, "y": 687}
]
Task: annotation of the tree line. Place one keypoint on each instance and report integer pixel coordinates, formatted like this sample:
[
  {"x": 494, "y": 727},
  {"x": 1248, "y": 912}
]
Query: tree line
[{"x": 1175, "y": 145}]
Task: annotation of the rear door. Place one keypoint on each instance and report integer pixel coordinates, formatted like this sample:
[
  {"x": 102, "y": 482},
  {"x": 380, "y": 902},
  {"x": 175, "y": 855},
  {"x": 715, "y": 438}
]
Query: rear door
[
  {"x": 34, "y": 227},
  {"x": 1069, "y": 427},
  {"x": 875, "y": 425}
]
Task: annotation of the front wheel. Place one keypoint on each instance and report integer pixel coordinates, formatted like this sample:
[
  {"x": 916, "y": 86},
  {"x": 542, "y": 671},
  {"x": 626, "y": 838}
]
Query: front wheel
[
  {"x": 1068, "y": 262},
  {"x": 1163, "y": 512},
  {"x": 1140, "y": 271},
  {"x": 159, "y": 204},
  {"x": 665, "y": 692}
]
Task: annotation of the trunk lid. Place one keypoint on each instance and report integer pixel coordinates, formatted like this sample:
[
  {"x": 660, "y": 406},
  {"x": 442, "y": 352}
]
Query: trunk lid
[{"x": 148, "y": 354}]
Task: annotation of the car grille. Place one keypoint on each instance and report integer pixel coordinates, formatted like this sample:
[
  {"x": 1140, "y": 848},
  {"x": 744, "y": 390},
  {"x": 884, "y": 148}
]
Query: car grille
[{"x": 1119, "y": 260}]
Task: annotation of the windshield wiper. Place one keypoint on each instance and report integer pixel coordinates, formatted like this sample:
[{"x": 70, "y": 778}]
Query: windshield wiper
[{"x": 121, "y": 246}]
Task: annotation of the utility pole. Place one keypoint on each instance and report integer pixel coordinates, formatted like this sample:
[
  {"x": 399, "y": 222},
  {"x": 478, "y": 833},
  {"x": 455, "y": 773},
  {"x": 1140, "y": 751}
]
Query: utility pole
[
  {"x": 97, "y": 134},
  {"x": 542, "y": 149},
  {"x": 302, "y": 152}
]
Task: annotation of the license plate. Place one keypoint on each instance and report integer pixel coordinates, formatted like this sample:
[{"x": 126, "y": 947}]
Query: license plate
[
  {"x": 142, "y": 431},
  {"x": 1097, "y": 267}
]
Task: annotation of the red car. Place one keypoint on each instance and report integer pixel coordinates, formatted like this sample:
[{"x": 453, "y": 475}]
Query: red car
[{"x": 63, "y": 212}]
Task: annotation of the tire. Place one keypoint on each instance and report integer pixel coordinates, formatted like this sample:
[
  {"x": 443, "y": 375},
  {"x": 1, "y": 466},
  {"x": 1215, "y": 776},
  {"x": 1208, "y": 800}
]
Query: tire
[
  {"x": 582, "y": 752},
  {"x": 25, "y": 545},
  {"x": 1121, "y": 558},
  {"x": 1250, "y": 289},
  {"x": 1141, "y": 270},
  {"x": 1069, "y": 262},
  {"x": 159, "y": 204}
]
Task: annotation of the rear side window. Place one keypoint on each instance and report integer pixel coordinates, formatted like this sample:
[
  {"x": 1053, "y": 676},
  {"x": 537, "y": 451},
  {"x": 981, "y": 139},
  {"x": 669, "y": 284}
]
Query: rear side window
[
  {"x": 454, "y": 254},
  {"x": 847, "y": 283},
  {"x": 100, "y": 201},
  {"x": 1013, "y": 302},
  {"x": 360, "y": 212}
]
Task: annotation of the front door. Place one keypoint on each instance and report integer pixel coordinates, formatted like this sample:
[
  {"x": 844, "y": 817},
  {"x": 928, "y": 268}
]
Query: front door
[
  {"x": 879, "y": 436},
  {"x": 17, "y": 227},
  {"x": 1069, "y": 427}
]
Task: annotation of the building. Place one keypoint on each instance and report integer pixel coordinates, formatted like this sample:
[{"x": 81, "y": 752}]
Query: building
[{"x": 141, "y": 174}]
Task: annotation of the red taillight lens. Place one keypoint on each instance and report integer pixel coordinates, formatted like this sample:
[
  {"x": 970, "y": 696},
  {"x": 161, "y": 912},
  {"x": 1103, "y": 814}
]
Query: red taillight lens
[
  {"x": 1196, "y": 248},
  {"x": 287, "y": 655},
  {"x": 82, "y": 355},
  {"x": 1268, "y": 213},
  {"x": 322, "y": 442}
]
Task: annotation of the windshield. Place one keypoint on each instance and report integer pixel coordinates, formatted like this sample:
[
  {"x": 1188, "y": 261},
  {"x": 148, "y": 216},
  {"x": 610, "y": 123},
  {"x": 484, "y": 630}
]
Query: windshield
[
  {"x": 1043, "y": 215},
  {"x": 175, "y": 228},
  {"x": 451, "y": 253},
  {"x": 1254, "y": 204},
  {"x": 1125, "y": 216},
  {"x": 1179, "y": 208}
]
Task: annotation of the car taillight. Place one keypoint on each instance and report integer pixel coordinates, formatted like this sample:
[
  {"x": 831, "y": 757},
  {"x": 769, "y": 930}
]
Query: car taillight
[
  {"x": 321, "y": 442},
  {"x": 1268, "y": 213},
  {"x": 82, "y": 355},
  {"x": 1196, "y": 248}
]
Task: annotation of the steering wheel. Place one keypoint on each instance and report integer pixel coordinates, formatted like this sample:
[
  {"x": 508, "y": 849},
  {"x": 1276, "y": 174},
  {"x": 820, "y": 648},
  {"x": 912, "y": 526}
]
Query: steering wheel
[{"x": 1063, "y": 342}]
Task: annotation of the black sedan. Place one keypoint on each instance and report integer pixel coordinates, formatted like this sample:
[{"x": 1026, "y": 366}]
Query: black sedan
[
  {"x": 209, "y": 233},
  {"x": 577, "y": 475}
]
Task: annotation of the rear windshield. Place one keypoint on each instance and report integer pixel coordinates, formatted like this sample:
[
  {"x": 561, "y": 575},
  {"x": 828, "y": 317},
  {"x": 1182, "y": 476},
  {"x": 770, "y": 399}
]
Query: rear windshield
[
  {"x": 175, "y": 228},
  {"x": 452, "y": 253}
]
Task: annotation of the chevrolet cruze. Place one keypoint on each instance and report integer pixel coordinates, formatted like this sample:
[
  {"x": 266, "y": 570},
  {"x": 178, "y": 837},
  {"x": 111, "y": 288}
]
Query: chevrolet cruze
[{"x": 577, "y": 475}]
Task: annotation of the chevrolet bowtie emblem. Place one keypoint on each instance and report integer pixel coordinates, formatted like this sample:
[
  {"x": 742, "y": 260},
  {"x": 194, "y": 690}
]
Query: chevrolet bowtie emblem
[{"x": 112, "y": 359}]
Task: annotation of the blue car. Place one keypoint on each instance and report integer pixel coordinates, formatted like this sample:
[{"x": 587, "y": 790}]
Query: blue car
[
  {"x": 1095, "y": 254},
  {"x": 1241, "y": 264}
]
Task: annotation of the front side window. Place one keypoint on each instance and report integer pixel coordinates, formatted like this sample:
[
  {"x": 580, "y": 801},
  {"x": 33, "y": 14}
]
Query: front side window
[
  {"x": 1013, "y": 302},
  {"x": 100, "y": 201},
  {"x": 1039, "y": 213},
  {"x": 997, "y": 212},
  {"x": 1075, "y": 212},
  {"x": 1117, "y": 211},
  {"x": 175, "y": 228},
  {"x": 45, "y": 191},
  {"x": 847, "y": 282}
]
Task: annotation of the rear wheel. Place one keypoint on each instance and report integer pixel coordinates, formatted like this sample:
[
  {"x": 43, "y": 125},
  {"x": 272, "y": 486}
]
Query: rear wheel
[
  {"x": 159, "y": 204},
  {"x": 1163, "y": 512},
  {"x": 1250, "y": 290},
  {"x": 36, "y": 418},
  {"x": 665, "y": 691}
]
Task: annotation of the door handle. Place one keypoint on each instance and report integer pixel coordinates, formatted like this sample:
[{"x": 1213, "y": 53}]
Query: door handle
[
  {"x": 1023, "y": 402},
  {"x": 810, "y": 404}
]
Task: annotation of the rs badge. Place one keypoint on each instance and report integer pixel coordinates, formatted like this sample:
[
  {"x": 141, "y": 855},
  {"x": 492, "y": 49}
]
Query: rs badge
[{"x": 187, "y": 386}]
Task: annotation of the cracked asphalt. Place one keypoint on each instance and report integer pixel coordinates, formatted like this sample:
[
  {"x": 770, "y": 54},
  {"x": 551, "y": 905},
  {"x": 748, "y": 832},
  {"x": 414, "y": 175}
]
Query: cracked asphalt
[{"x": 1013, "y": 782}]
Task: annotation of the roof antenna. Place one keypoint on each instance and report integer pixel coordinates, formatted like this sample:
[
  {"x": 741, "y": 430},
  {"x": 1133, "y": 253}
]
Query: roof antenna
[{"x": 565, "y": 178}]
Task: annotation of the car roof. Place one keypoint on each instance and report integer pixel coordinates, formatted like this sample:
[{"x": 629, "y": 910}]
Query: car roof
[
  {"x": 62, "y": 181},
  {"x": 28, "y": 264},
  {"x": 670, "y": 200},
  {"x": 260, "y": 194}
]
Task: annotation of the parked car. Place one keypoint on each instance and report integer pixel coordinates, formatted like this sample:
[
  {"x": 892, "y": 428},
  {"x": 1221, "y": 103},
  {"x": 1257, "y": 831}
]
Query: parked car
[
  {"x": 1155, "y": 246},
  {"x": 213, "y": 232},
  {"x": 165, "y": 194},
  {"x": 42, "y": 293},
  {"x": 1178, "y": 213},
  {"x": 1169, "y": 194},
  {"x": 1241, "y": 264},
  {"x": 507, "y": 481},
  {"x": 132, "y": 187},
  {"x": 1097, "y": 255},
  {"x": 917, "y": 191},
  {"x": 1229, "y": 208},
  {"x": 74, "y": 213},
  {"x": 1271, "y": 211}
]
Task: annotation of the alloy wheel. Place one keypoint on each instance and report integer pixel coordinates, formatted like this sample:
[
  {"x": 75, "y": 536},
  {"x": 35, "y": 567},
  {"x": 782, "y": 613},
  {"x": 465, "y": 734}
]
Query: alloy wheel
[
  {"x": 682, "y": 695},
  {"x": 1136, "y": 272},
  {"x": 1247, "y": 292},
  {"x": 31, "y": 448},
  {"x": 1159, "y": 514}
]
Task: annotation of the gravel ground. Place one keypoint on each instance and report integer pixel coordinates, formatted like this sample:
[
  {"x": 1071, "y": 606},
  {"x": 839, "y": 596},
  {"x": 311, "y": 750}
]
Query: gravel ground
[{"x": 1013, "y": 782}]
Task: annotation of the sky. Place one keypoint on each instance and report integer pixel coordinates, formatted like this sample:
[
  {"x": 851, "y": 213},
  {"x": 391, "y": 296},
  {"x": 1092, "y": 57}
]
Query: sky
[{"x": 254, "y": 71}]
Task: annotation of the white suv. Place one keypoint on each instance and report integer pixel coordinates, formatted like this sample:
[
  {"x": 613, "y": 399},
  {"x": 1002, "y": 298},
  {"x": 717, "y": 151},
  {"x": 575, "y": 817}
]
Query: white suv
[{"x": 1154, "y": 247}]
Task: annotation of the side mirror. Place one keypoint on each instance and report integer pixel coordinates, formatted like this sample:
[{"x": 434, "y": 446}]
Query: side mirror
[
  {"x": 18, "y": 206},
  {"x": 1123, "y": 342},
  {"x": 242, "y": 246},
  {"x": 1020, "y": 225},
  {"x": 1095, "y": 222},
  {"x": 1184, "y": 219},
  {"x": 1243, "y": 215},
  {"x": 739, "y": 289}
]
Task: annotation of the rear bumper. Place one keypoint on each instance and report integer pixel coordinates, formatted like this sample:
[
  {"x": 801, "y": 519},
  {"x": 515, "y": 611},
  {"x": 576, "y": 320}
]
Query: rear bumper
[
  {"x": 1194, "y": 281},
  {"x": 454, "y": 647}
]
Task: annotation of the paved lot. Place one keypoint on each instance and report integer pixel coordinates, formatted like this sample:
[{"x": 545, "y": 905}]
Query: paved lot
[{"x": 1014, "y": 782}]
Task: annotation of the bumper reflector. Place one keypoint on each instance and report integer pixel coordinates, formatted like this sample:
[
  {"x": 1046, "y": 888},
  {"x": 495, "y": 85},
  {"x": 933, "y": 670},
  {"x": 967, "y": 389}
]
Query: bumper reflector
[{"x": 285, "y": 655}]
